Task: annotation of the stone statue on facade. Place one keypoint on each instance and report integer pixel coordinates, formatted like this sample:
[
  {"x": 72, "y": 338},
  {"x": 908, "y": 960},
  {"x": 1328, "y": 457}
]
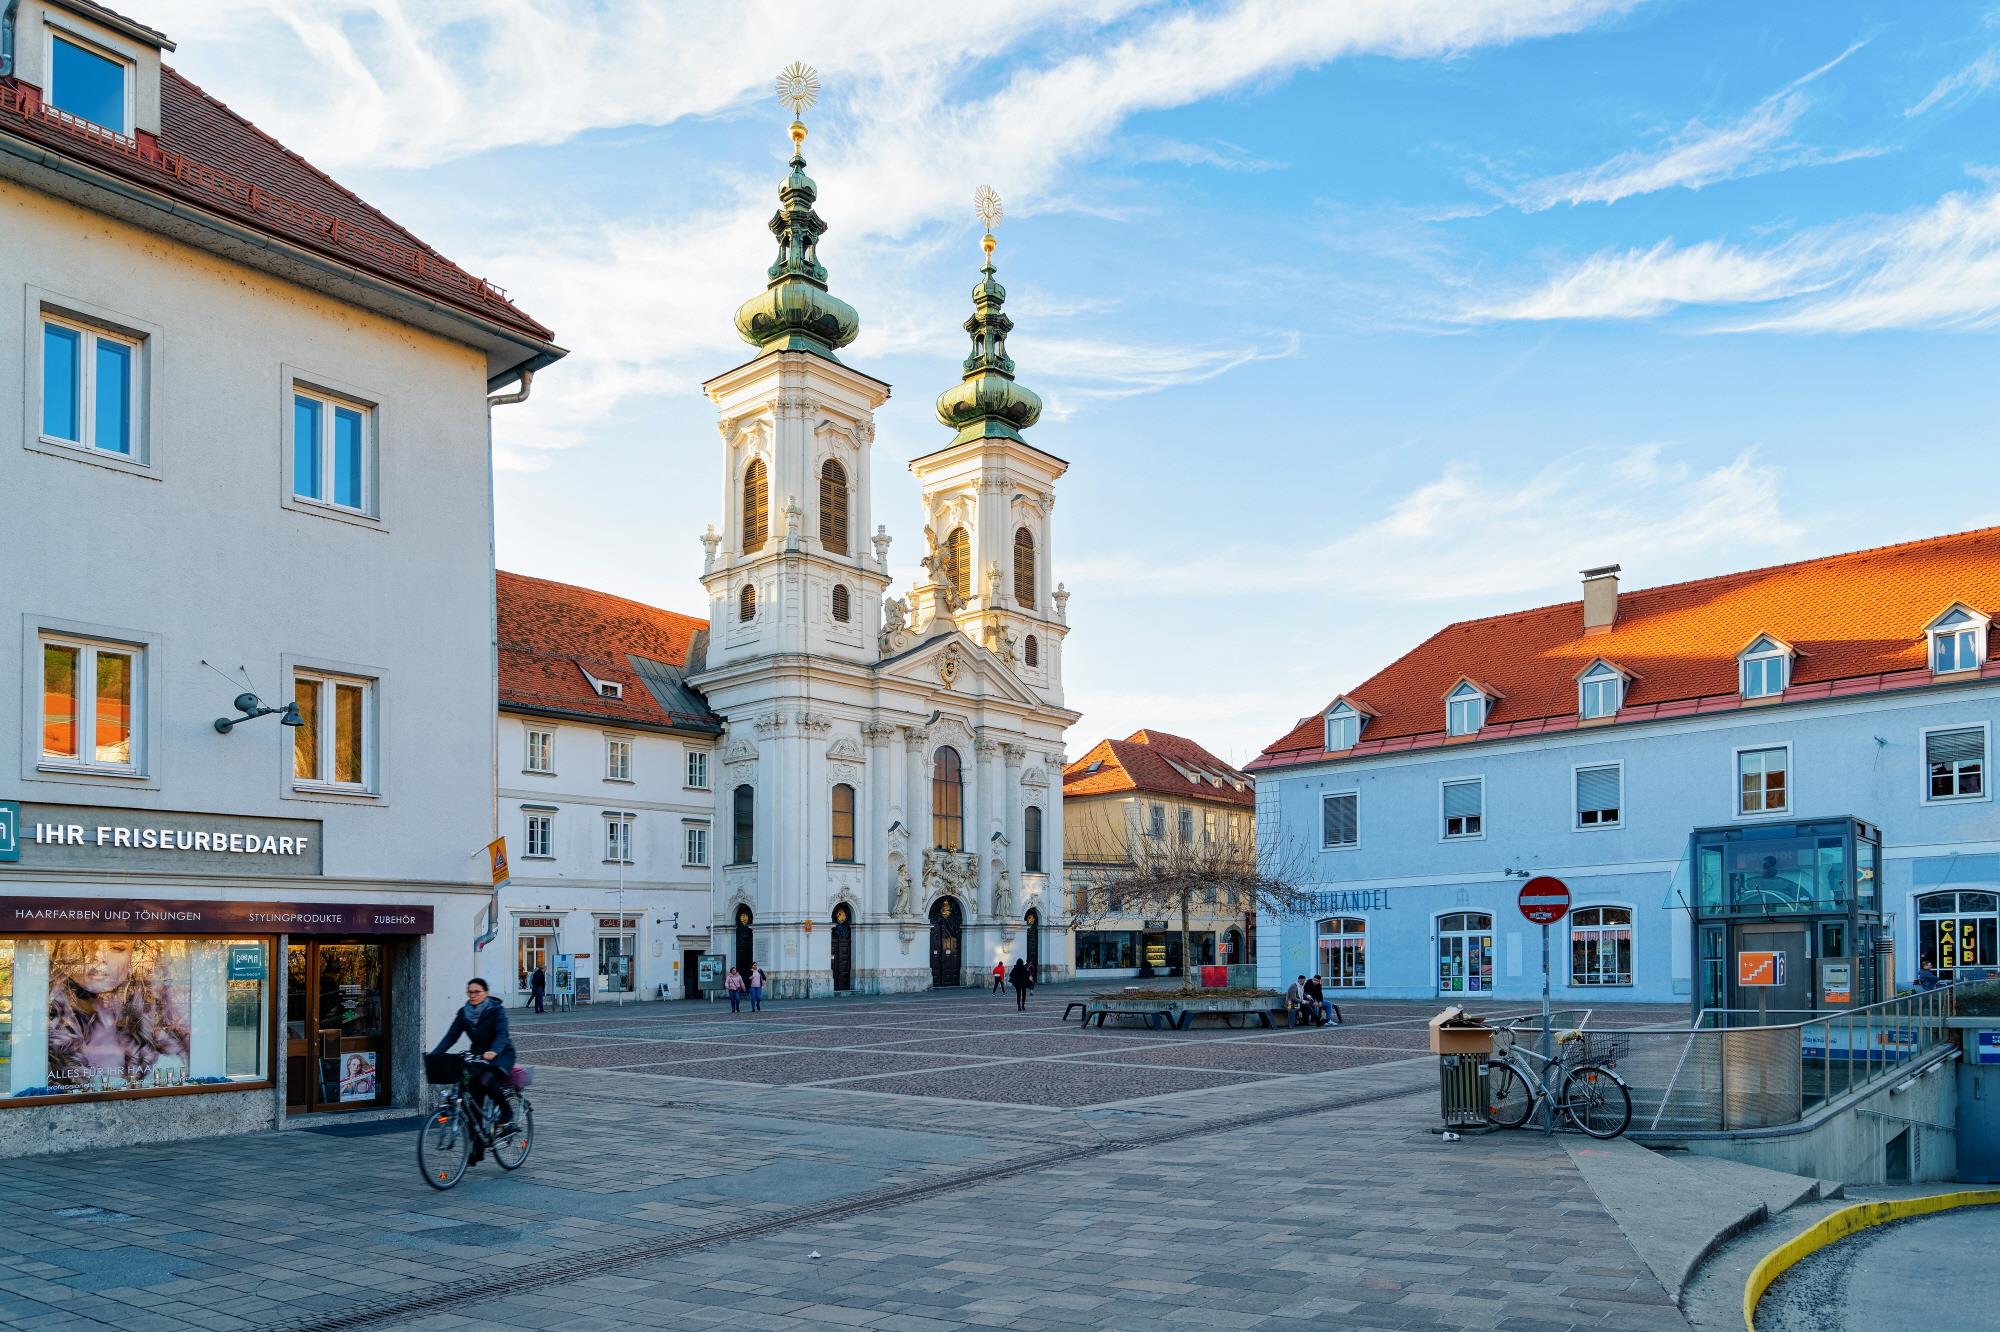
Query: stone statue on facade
[
  {"x": 893, "y": 615},
  {"x": 1003, "y": 896},
  {"x": 905, "y": 903}
]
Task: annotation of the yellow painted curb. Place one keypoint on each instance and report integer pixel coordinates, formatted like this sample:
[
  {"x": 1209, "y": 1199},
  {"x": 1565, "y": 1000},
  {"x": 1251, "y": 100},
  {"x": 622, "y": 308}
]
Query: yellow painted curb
[{"x": 1839, "y": 1226}]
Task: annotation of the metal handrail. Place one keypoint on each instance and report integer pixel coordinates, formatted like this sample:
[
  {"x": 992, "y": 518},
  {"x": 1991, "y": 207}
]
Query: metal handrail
[{"x": 1818, "y": 1021}]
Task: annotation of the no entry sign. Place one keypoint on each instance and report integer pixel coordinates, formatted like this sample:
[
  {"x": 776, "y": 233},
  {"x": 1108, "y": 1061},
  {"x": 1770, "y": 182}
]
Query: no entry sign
[{"x": 1544, "y": 900}]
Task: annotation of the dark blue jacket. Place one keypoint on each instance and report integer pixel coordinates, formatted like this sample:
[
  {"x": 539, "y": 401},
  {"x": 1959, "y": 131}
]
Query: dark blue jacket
[{"x": 486, "y": 1027}]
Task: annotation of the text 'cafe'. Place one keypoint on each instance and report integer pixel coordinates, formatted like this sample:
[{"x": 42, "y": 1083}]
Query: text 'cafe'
[{"x": 154, "y": 986}]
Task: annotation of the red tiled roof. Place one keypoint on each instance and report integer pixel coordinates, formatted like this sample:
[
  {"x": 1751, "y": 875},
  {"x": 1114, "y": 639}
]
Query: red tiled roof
[
  {"x": 551, "y": 633},
  {"x": 1856, "y": 620},
  {"x": 1145, "y": 761},
  {"x": 213, "y": 158}
]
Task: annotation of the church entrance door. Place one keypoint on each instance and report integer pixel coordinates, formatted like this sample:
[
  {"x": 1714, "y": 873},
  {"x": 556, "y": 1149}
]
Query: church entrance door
[
  {"x": 1032, "y": 922},
  {"x": 843, "y": 948},
  {"x": 947, "y": 931},
  {"x": 745, "y": 942}
]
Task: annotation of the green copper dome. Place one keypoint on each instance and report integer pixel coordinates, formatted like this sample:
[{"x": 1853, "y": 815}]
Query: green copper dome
[
  {"x": 987, "y": 403},
  {"x": 795, "y": 312}
]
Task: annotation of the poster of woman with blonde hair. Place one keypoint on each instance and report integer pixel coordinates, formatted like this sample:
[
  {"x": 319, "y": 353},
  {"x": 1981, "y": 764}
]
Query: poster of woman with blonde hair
[{"x": 117, "y": 1012}]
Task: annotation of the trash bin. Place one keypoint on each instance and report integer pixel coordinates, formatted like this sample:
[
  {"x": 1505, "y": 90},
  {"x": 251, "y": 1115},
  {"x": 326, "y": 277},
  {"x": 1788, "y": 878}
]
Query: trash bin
[{"x": 1464, "y": 1045}]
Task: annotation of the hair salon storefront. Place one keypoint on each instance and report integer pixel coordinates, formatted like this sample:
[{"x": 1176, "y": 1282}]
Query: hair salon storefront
[{"x": 203, "y": 1002}]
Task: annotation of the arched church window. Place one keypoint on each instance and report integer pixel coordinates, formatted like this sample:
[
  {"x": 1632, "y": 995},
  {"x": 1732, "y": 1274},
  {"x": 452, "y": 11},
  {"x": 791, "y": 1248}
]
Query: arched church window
[
  {"x": 1031, "y": 651},
  {"x": 958, "y": 563},
  {"x": 746, "y": 604},
  {"x": 833, "y": 507},
  {"x": 947, "y": 800},
  {"x": 756, "y": 506},
  {"x": 1024, "y": 568},
  {"x": 842, "y": 608}
]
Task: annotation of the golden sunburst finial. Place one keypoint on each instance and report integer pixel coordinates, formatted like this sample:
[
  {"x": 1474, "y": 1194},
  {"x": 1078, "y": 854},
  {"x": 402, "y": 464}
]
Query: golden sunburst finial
[
  {"x": 986, "y": 203},
  {"x": 798, "y": 88}
]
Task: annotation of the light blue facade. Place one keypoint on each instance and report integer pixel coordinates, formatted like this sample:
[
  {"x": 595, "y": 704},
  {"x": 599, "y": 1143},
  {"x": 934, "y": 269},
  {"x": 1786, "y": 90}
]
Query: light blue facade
[{"x": 1862, "y": 757}]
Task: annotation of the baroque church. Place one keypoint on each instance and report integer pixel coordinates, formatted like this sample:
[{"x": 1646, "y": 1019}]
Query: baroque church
[{"x": 889, "y": 785}]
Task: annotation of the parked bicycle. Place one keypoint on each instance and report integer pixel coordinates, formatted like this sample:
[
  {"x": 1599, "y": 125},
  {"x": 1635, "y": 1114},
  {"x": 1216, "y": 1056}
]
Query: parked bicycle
[
  {"x": 458, "y": 1123},
  {"x": 1587, "y": 1092}
]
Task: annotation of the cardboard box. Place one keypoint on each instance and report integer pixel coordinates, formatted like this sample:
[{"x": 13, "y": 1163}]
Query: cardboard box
[{"x": 1455, "y": 1032}]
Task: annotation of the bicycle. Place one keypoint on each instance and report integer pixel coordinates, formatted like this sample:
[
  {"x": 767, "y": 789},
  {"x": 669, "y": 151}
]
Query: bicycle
[
  {"x": 457, "y": 1124},
  {"x": 1587, "y": 1092}
]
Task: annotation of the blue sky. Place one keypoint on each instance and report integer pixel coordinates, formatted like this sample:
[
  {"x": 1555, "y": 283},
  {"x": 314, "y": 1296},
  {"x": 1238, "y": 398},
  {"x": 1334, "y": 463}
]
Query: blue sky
[{"x": 1353, "y": 318}]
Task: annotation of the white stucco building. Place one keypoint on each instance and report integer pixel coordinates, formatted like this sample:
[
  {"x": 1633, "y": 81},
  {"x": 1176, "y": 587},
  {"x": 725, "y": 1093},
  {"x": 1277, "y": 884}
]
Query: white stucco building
[
  {"x": 889, "y": 790},
  {"x": 244, "y": 450}
]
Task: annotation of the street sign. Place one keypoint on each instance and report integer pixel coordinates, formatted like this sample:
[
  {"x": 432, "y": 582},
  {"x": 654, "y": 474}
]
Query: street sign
[
  {"x": 1544, "y": 900},
  {"x": 1760, "y": 969}
]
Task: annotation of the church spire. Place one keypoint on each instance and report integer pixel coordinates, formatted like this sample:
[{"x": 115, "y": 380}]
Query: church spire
[
  {"x": 795, "y": 312},
  {"x": 987, "y": 403}
]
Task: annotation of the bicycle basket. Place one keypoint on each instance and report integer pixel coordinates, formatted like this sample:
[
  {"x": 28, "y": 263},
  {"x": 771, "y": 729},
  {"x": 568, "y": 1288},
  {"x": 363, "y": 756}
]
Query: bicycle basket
[
  {"x": 521, "y": 1076},
  {"x": 443, "y": 1070}
]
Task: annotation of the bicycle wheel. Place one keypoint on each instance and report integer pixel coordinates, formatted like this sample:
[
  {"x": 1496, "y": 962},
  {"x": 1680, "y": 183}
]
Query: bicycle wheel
[
  {"x": 444, "y": 1147},
  {"x": 1510, "y": 1094},
  {"x": 1596, "y": 1101},
  {"x": 510, "y": 1149}
]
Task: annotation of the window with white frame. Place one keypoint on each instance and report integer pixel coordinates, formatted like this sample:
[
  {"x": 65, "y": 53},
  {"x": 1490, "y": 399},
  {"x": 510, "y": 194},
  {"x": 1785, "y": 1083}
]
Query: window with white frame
[
  {"x": 1187, "y": 825},
  {"x": 1600, "y": 946},
  {"x": 618, "y": 839},
  {"x": 1158, "y": 826},
  {"x": 1956, "y": 642},
  {"x": 538, "y": 836},
  {"x": 697, "y": 769},
  {"x": 331, "y": 448},
  {"x": 1765, "y": 667},
  {"x": 1209, "y": 820},
  {"x": 1955, "y": 763},
  {"x": 1600, "y": 692},
  {"x": 1465, "y": 807},
  {"x": 1340, "y": 820},
  {"x": 1600, "y": 795},
  {"x": 617, "y": 759},
  {"x": 1343, "y": 952},
  {"x": 1763, "y": 780},
  {"x": 1343, "y": 727},
  {"x": 91, "y": 703},
  {"x": 333, "y": 747},
  {"x": 695, "y": 852},
  {"x": 92, "y": 382},
  {"x": 1464, "y": 711},
  {"x": 89, "y": 83},
  {"x": 541, "y": 750}
]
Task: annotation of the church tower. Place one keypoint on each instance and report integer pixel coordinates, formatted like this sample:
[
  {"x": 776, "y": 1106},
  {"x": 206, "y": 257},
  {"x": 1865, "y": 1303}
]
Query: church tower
[{"x": 988, "y": 496}]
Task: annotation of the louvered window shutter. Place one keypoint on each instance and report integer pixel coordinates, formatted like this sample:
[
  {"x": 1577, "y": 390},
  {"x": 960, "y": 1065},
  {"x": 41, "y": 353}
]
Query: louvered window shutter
[
  {"x": 1339, "y": 821},
  {"x": 1955, "y": 746},
  {"x": 1462, "y": 799},
  {"x": 1597, "y": 788}
]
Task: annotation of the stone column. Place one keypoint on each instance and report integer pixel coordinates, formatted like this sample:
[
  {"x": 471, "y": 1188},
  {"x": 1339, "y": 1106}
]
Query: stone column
[
  {"x": 873, "y": 816},
  {"x": 917, "y": 802},
  {"x": 986, "y": 803}
]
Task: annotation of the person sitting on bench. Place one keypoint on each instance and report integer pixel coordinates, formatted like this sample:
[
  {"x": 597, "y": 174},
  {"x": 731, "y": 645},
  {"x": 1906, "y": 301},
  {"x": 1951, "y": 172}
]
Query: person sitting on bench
[
  {"x": 1316, "y": 996},
  {"x": 1298, "y": 1004}
]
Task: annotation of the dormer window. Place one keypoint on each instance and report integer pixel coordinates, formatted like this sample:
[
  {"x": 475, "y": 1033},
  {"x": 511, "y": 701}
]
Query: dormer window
[
  {"x": 1958, "y": 640},
  {"x": 603, "y": 688},
  {"x": 90, "y": 84},
  {"x": 1343, "y": 727},
  {"x": 1464, "y": 710},
  {"x": 1600, "y": 691},
  {"x": 1766, "y": 667}
]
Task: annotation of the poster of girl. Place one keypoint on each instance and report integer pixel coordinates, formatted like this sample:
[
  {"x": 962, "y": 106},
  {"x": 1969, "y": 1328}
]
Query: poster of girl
[
  {"x": 117, "y": 1011},
  {"x": 357, "y": 1077}
]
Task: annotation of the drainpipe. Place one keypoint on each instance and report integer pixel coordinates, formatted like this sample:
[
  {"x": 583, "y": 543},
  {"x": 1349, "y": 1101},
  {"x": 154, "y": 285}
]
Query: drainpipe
[
  {"x": 7, "y": 39},
  {"x": 492, "y": 930}
]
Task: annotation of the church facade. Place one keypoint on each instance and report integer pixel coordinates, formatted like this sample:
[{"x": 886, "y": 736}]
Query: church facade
[{"x": 889, "y": 779}]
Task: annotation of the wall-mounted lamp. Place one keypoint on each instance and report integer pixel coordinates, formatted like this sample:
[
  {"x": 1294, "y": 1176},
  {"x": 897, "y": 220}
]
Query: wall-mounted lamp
[{"x": 252, "y": 708}]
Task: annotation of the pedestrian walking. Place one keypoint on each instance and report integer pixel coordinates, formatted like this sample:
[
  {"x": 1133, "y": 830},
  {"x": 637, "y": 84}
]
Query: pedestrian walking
[
  {"x": 733, "y": 983},
  {"x": 1022, "y": 980},
  {"x": 756, "y": 988},
  {"x": 538, "y": 986},
  {"x": 999, "y": 974}
]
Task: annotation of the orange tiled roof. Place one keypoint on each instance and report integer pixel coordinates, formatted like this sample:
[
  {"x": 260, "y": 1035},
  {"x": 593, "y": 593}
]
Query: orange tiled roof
[
  {"x": 551, "y": 633},
  {"x": 1856, "y": 620},
  {"x": 1157, "y": 762}
]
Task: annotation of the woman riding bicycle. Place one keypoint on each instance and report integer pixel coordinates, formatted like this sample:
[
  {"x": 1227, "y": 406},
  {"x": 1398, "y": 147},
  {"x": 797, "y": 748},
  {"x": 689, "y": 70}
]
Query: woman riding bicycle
[{"x": 483, "y": 1022}]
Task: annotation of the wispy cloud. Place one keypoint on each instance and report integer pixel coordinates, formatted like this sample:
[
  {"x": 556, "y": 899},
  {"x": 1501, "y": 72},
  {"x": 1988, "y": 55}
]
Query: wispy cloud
[
  {"x": 1220, "y": 154},
  {"x": 1699, "y": 155},
  {"x": 1633, "y": 284},
  {"x": 1974, "y": 79}
]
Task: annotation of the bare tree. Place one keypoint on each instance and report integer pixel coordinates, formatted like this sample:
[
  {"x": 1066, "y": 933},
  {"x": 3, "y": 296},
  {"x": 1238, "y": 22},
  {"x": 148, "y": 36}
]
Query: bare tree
[{"x": 1145, "y": 875}]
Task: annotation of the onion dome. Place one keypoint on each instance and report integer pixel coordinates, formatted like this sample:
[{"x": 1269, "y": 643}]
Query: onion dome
[{"x": 987, "y": 403}]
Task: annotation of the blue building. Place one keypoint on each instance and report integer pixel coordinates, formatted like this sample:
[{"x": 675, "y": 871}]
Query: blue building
[{"x": 1789, "y": 760}]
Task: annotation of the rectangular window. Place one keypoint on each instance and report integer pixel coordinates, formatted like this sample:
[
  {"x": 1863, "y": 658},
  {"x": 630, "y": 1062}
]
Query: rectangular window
[
  {"x": 617, "y": 759},
  {"x": 843, "y": 823},
  {"x": 1599, "y": 795},
  {"x": 90, "y": 706},
  {"x": 90, "y": 387},
  {"x": 1957, "y": 650},
  {"x": 89, "y": 85},
  {"x": 1762, "y": 781},
  {"x": 1187, "y": 825},
  {"x": 1763, "y": 677},
  {"x": 1598, "y": 695},
  {"x": 330, "y": 451},
  {"x": 697, "y": 769},
  {"x": 1464, "y": 807},
  {"x": 1340, "y": 820},
  {"x": 1465, "y": 713},
  {"x": 618, "y": 838},
  {"x": 540, "y": 747},
  {"x": 1600, "y": 946},
  {"x": 1955, "y": 763},
  {"x": 1342, "y": 730},
  {"x": 332, "y": 747},
  {"x": 697, "y": 846},
  {"x": 540, "y": 838},
  {"x": 1158, "y": 826}
]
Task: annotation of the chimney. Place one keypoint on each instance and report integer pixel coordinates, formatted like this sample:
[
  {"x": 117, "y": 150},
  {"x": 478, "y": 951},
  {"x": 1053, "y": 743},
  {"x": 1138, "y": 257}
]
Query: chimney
[{"x": 1600, "y": 599}]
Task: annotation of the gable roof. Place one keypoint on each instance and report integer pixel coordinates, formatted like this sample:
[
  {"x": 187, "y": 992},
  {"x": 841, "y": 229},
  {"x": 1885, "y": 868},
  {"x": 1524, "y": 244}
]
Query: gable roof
[
  {"x": 551, "y": 633},
  {"x": 1158, "y": 763},
  {"x": 1856, "y": 621}
]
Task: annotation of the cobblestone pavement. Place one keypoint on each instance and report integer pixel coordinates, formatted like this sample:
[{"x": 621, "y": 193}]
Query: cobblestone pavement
[{"x": 953, "y": 1164}]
